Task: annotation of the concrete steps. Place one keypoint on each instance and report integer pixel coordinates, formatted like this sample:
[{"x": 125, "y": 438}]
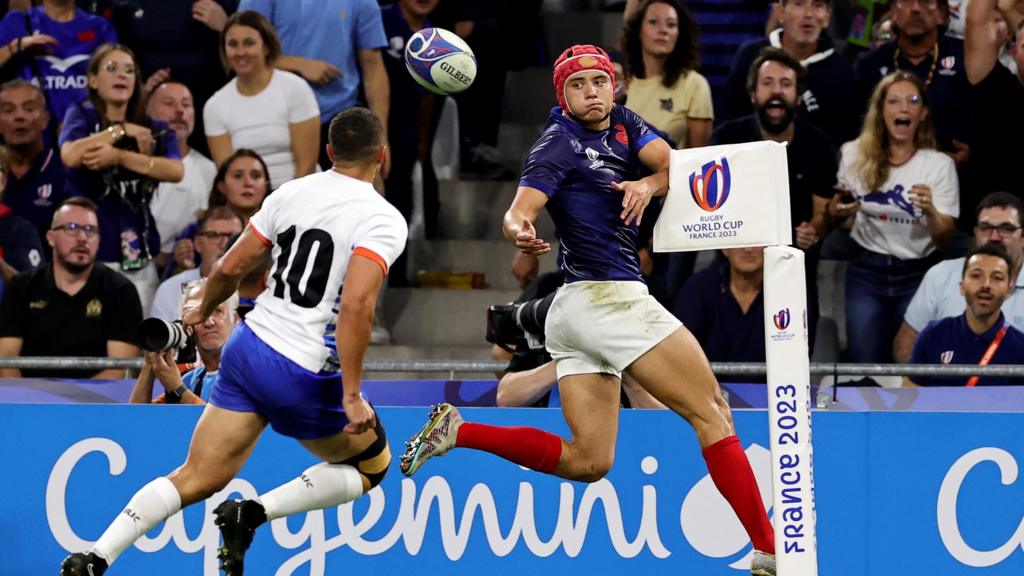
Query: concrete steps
[
  {"x": 493, "y": 258},
  {"x": 437, "y": 317},
  {"x": 473, "y": 209}
]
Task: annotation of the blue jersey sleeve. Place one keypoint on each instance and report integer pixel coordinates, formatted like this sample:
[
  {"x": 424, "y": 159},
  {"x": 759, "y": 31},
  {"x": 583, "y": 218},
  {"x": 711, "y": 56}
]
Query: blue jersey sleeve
[
  {"x": 76, "y": 126},
  {"x": 107, "y": 32},
  {"x": 550, "y": 160},
  {"x": 12, "y": 26},
  {"x": 168, "y": 140},
  {"x": 640, "y": 134}
]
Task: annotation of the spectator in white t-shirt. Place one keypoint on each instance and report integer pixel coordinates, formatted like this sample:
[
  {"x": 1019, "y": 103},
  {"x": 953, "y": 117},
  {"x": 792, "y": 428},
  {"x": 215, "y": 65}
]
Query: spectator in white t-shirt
[
  {"x": 177, "y": 204},
  {"x": 270, "y": 111},
  {"x": 904, "y": 204}
]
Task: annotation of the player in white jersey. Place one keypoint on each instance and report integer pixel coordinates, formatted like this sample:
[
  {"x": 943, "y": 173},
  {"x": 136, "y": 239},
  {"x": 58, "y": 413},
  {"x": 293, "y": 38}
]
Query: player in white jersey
[{"x": 280, "y": 367}]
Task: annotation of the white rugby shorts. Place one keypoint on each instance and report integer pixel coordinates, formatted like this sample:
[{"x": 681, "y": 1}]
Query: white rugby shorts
[{"x": 603, "y": 327}]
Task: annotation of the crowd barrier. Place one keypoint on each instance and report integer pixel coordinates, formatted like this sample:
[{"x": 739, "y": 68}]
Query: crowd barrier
[
  {"x": 482, "y": 394},
  {"x": 898, "y": 491}
]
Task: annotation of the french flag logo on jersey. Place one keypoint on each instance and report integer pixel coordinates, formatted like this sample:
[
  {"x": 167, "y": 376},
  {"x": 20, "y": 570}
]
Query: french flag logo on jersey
[
  {"x": 709, "y": 186},
  {"x": 781, "y": 319}
]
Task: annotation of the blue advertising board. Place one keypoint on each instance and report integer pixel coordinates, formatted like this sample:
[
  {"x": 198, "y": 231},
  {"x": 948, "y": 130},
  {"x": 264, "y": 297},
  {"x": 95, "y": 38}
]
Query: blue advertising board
[{"x": 896, "y": 493}]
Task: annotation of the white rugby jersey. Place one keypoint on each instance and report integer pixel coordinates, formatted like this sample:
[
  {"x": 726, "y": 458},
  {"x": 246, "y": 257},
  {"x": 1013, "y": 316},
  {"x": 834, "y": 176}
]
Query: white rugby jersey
[{"x": 314, "y": 225}]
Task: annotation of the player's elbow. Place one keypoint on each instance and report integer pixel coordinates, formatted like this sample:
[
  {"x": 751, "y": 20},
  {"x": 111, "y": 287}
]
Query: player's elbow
[{"x": 356, "y": 309}]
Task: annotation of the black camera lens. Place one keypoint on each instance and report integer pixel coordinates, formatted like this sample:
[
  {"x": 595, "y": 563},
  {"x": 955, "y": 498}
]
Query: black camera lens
[{"x": 156, "y": 335}]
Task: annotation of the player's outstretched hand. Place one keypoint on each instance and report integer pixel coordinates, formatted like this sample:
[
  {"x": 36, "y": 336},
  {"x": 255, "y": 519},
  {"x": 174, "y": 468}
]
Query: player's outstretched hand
[
  {"x": 528, "y": 243},
  {"x": 190, "y": 313},
  {"x": 360, "y": 414},
  {"x": 636, "y": 195}
]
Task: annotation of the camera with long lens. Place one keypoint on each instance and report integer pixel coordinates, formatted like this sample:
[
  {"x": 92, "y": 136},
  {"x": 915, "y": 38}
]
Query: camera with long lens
[
  {"x": 157, "y": 335},
  {"x": 520, "y": 324}
]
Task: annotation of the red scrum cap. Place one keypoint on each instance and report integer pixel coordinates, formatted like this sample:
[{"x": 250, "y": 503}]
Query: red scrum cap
[{"x": 575, "y": 59}]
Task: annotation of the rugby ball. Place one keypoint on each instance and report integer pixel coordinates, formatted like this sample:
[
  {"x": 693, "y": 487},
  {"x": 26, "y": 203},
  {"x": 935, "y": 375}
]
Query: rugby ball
[{"x": 440, "y": 61}]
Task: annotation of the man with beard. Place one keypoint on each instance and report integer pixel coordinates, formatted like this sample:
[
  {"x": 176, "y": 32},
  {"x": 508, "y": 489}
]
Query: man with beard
[
  {"x": 71, "y": 307},
  {"x": 829, "y": 99},
  {"x": 177, "y": 204},
  {"x": 35, "y": 174},
  {"x": 998, "y": 219},
  {"x": 981, "y": 335},
  {"x": 921, "y": 47},
  {"x": 775, "y": 82}
]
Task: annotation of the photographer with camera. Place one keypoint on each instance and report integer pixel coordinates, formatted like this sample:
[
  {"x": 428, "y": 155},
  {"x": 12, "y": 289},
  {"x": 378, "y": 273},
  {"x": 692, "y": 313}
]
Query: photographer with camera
[
  {"x": 117, "y": 156},
  {"x": 162, "y": 341},
  {"x": 530, "y": 378}
]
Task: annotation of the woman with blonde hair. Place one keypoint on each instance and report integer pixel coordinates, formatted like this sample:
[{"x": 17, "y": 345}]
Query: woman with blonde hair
[{"x": 903, "y": 197}]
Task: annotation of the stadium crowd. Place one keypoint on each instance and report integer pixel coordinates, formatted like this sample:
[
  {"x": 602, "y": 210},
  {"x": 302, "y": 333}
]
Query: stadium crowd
[{"x": 140, "y": 137}]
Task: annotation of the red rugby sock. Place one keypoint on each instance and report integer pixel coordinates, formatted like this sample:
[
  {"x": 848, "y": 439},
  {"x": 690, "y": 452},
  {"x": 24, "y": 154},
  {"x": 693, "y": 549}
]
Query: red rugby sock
[
  {"x": 530, "y": 447},
  {"x": 730, "y": 470}
]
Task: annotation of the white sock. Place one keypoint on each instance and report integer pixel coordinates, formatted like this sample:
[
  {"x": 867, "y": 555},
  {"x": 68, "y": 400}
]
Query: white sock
[
  {"x": 318, "y": 487},
  {"x": 151, "y": 505}
]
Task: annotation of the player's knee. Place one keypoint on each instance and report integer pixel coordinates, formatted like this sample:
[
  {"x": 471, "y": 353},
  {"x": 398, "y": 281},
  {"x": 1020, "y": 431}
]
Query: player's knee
[
  {"x": 374, "y": 462},
  {"x": 593, "y": 468},
  {"x": 195, "y": 485},
  {"x": 371, "y": 479},
  {"x": 723, "y": 407},
  {"x": 593, "y": 473}
]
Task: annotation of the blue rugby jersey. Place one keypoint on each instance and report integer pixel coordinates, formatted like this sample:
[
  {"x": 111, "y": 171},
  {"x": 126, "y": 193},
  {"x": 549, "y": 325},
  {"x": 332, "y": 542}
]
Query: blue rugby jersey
[{"x": 575, "y": 167}]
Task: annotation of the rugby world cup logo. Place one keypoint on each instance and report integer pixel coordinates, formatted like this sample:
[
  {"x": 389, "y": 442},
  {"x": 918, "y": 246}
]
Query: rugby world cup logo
[
  {"x": 710, "y": 185},
  {"x": 781, "y": 319}
]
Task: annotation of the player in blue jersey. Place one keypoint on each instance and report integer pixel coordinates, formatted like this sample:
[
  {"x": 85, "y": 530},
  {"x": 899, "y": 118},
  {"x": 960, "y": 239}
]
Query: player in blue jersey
[
  {"x": 280, "y": 367},
  {"x": 585, "y": 170}
]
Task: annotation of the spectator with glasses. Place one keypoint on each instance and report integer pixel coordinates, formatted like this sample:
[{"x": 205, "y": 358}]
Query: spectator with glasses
[
  {"x": 998, "y": 218},
  {"x": 72, "y": 307},
  {"x": 216, "y": 227}
]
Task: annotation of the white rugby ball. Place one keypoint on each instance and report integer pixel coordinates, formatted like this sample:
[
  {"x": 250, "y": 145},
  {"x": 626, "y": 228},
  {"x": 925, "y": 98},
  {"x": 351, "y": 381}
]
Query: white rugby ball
[{"x": 440, "y": 61}]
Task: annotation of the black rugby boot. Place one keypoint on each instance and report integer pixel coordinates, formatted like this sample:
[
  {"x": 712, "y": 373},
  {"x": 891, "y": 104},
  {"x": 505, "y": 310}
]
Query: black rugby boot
[
  {"x": 82, "y": 564},
  {"x": 238, "y": 521}
]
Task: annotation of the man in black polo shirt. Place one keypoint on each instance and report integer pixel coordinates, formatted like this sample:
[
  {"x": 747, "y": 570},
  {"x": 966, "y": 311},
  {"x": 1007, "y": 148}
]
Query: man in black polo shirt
[
  {"x": 723, "y": 306},
  {"x": 998, "y": 96},
  {"x": 775, "y": 82},
  {"x": 35, "y": 174},
  {"x": 921, "y": 47},
  {"x": 71, "y": 307}
]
